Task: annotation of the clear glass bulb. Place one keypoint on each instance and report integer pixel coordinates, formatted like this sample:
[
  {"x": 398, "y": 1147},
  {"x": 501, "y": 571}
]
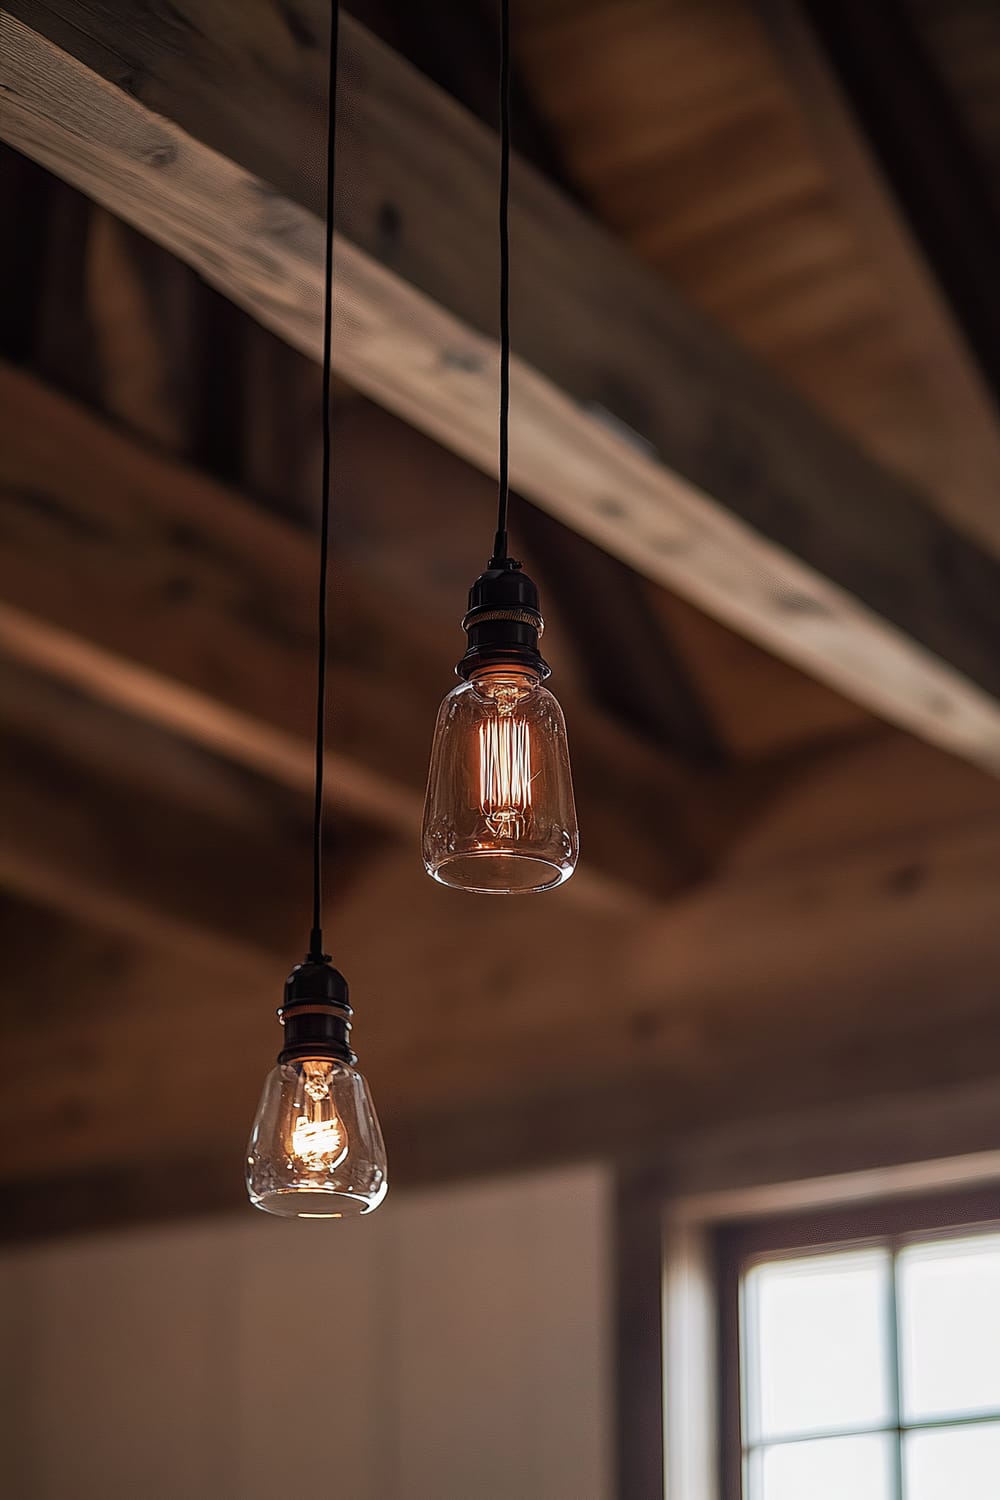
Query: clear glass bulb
[
  {"x": 316, "y": 1150},
  {"x": 499, "y": 816}
]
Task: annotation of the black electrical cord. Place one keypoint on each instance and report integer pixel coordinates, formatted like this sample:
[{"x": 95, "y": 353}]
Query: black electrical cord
[
  {"x": 500, "y": 543},
  {"x": 316, "y": 954}
]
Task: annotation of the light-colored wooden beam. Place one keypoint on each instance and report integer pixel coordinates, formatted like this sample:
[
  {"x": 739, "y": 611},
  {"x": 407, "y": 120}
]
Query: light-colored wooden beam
[{"x": 633, "y": 420}]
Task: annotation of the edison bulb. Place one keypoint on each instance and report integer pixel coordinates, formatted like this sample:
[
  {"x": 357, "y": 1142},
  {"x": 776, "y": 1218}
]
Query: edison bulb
[
  {"x": 316, "y": 1149},
  {"x": 499, "y": 816}
]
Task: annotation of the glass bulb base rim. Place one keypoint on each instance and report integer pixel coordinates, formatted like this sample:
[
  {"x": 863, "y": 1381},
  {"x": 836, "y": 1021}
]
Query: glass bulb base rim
[
  {"x": 438, "y": 871},
  {"x": 299, "y": 1203}
]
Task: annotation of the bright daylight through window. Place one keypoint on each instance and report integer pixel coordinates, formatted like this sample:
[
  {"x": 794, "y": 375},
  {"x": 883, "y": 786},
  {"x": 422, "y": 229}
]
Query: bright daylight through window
[{"x": 873, "y": 1372}]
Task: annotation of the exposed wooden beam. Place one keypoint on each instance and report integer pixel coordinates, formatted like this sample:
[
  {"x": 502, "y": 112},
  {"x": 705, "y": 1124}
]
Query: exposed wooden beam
[
  {"x": 22, "y": 255},
  {"x": 130, "y": 832},
  {"x": 919, "y": 136},
  {"x": 943, "y": 1135},
  {"x": 864, "y": 182},
  {"x": 176, "y": 1042},
  {"x": 142, "y": 583},
  {"x": 851, "y": 955},
  {"x": 130, "y": 333},
  {"x": 634, "y": 421},
  {"x": 138, "y": 581},
  {"x": 625, "y": 650}
]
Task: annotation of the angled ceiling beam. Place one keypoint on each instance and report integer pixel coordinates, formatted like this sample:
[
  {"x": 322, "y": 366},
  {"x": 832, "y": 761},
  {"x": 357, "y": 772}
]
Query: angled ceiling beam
[
  {"x": 633, "y": 420},
  {"x": 915, "y": 130},
  {"x": 132, "y": 834},
  {"x": 850, "y": 954},
  {"x": 139, "y": 582},
  {"x": 856, "y": 73}
]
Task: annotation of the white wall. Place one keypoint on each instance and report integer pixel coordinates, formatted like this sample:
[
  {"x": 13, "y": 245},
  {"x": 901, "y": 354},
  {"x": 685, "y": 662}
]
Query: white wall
[{"x": 456, "y": 1346}]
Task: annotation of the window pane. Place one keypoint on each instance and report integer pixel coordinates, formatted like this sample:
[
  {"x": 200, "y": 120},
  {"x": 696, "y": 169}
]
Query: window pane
[
  {"x": 816, "y": 1343},
  {"x": 953, "y": 1463},
  {"x": 849, "y": 1468},
  {"x": 949, "y": 1299}
]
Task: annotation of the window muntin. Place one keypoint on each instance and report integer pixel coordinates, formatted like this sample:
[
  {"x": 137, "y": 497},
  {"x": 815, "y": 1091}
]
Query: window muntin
[{"x": 872, "y": 1369}]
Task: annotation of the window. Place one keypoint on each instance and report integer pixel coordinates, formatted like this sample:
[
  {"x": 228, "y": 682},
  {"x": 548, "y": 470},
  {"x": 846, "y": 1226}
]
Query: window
[{"x": 862, "y": 1354}]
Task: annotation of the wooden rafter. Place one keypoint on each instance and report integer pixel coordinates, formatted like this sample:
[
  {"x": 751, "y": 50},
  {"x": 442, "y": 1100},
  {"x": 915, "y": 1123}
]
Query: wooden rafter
[
  {"x": 721, "y": 485},
  {"x": 139, "y": 582},
  {"x": 847, "y": 953},
  {"x": 864, "y": 183},
  {"x": 129, "y": 831},
  {"x": 917, "y": 133}
]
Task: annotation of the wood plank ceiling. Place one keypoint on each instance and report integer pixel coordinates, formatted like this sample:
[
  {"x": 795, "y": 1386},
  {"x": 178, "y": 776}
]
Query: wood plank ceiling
[
  {"x": 687, "y": 128},
  {"x": 728, "y": 489},
  {"x": 778, "y": 890}
]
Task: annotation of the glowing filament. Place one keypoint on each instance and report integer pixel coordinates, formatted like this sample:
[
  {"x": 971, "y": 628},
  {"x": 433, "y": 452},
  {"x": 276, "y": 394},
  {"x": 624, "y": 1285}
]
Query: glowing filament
[
  {"x": 319, "y": 1139},
  {"x": 320, "y": 1144},
  {"x": 505, "y": 775}
]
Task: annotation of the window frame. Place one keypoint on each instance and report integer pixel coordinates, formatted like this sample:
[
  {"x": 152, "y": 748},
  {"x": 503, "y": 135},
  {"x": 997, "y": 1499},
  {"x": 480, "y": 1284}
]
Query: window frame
[{"x": 890, "y": 1222}]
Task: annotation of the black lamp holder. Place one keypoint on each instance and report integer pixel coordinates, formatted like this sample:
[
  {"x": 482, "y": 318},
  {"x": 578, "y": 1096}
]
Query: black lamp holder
[
  {"x": 316, "y": 1013},
  {"x": 503, "y": 623}
]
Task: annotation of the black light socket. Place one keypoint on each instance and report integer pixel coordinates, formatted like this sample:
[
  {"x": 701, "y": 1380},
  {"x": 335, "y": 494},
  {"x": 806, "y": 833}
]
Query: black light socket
[
  {"x": 503, "y": 622},
  {"x": 316, "y": 1013}
]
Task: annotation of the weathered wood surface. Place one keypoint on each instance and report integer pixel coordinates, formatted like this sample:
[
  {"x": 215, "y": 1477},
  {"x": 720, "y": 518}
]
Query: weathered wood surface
[
  {"x": 738, "y": 187},
  {"x": 847, "y": 953},
  {"x": 136, "y": 580},
  {"x": 962, "y": 473},
  {"x": 735, "y": 494}
]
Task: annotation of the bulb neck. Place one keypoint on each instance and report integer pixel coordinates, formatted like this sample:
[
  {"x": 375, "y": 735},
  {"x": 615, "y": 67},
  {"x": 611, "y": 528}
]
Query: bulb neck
[
  {"x": 316, "y": 1014},
  {"x": 503, "y": 623}
]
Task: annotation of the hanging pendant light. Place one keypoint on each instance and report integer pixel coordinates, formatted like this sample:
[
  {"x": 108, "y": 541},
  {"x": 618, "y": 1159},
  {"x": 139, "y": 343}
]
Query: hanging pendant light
[
  {"x": 499, "y": 815},
  {"x": 316, "y": 1150}
]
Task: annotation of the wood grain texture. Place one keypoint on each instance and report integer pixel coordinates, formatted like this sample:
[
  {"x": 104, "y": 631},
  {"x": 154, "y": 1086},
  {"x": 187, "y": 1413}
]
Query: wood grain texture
[
  {"x": 738, "y": 497},
  {"x": 135, "y": 833},
  {"x": 962, "y": 427},
  {"x": 179, "y": 602},
  {"x": 916, "y": 129},
  {"x": 847, "y": 952},
  {"x": 139, "y": 582},
  {"x": 738, "y": 184}
]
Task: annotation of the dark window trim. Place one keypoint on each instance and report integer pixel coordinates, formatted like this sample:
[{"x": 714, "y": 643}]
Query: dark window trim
[{"x": 739, "y": 1245}]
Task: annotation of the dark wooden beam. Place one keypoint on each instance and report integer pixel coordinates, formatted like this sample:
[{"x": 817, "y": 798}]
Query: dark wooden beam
[
  {"x": 140, "y": 582},
  {"x": 128, "y": 830},
  {"x": 919, "y": 137},
  {"x": 23, "y": 246},
  {"x": 948, "y": 1136},
  {"x": 626, "y": 655},
  {"x": 848, "y": 138},
  {"x": 634, "y": 421},
  {"x": 849, "y": 952}
]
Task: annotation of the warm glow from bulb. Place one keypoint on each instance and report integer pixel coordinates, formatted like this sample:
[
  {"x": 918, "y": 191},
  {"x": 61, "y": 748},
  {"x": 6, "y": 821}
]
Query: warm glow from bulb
[
  {"x": 319, "y": 1139},
  {"x": 318, "y": 1143},
  {"x": 499, "y": 815},
  {"x": 505, "y": 769}
]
